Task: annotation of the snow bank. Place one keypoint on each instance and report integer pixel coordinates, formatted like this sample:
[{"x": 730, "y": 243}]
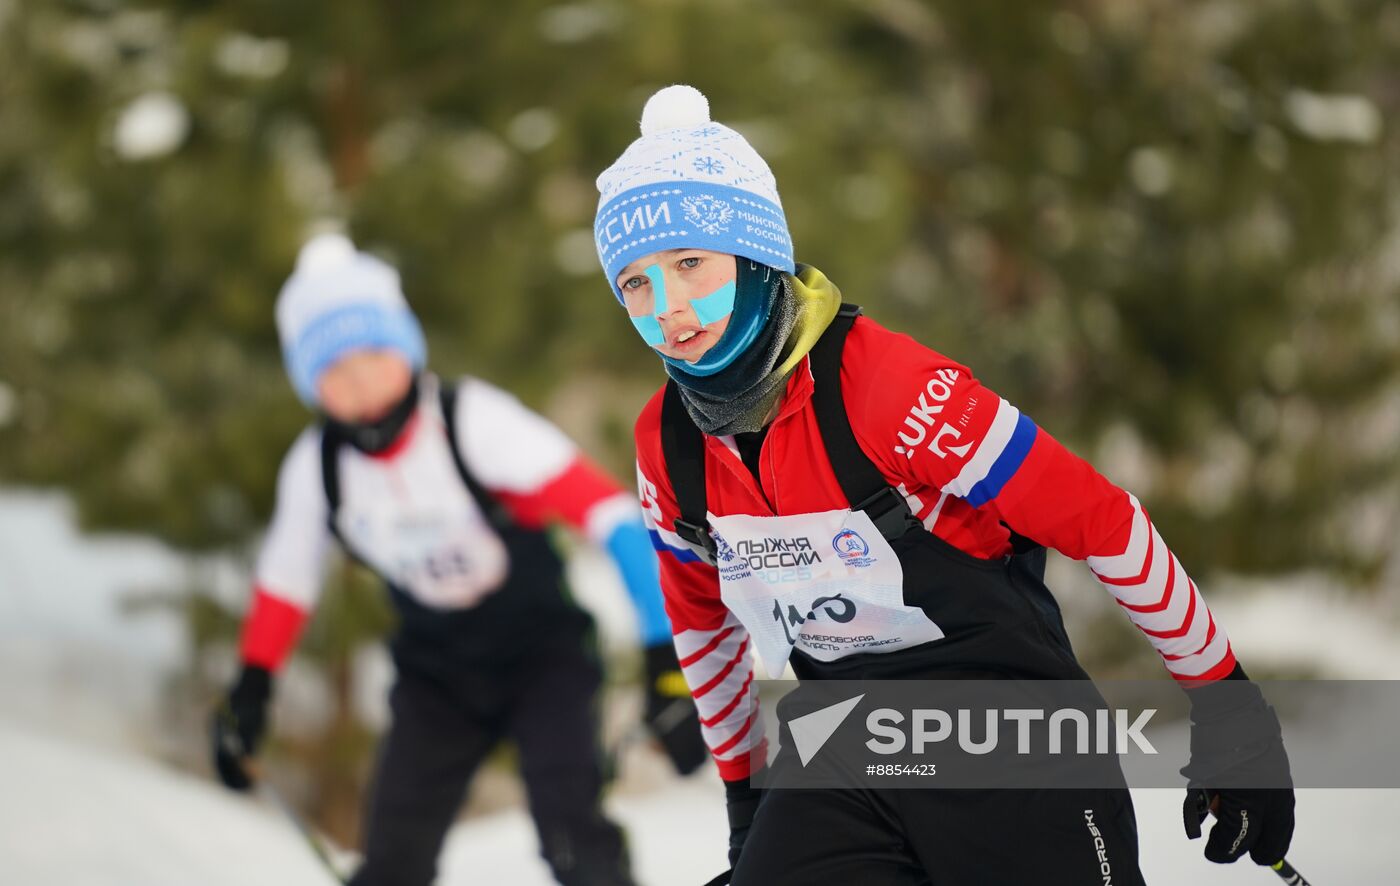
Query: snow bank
[
  {"x": 72, "y": 816},
  {"x": 77, "y": 816}
]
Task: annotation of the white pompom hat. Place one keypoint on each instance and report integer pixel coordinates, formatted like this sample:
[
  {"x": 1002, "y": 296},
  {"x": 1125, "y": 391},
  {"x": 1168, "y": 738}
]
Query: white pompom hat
[
  {"x": 339, "y": 300},
  {"x": 688, "y": 182}
]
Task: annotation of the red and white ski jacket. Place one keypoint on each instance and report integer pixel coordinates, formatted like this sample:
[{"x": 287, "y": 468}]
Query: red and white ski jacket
[
  {"x": 966, "y": 460},
  {"x": 408, "y": 513}
]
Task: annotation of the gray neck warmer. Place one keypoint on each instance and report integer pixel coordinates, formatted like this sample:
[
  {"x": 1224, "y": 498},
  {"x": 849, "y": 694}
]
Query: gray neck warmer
[{"x": 739, "y": 398}]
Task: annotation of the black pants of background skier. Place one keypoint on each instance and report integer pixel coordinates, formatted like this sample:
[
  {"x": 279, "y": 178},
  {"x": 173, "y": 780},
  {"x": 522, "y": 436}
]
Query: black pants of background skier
[{"x": 444, "y": 726}]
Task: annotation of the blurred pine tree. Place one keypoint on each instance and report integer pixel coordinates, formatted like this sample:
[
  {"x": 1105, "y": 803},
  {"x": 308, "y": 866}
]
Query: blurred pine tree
[{"x": 1167, "y": 231}]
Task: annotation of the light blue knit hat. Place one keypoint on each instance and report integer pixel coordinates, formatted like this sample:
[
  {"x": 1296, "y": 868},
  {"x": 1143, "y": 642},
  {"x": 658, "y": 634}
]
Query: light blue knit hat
[
  {"x": 339, "y": 300},
  {"x": 688, "y": 182}
]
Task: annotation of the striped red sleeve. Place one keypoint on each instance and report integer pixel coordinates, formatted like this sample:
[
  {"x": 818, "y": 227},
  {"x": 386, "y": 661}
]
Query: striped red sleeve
[
  {"x": 942, "y": 429},
  {"x": 711, "y": 644},
  {"x": 1063, "y": 502}
]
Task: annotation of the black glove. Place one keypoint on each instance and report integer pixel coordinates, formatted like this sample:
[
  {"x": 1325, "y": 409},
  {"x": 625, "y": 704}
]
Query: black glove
[
  {"x": 238, "y": 725},
  {"x": 1238, "y": 770},
  {"x": 741, "y": 802},
  {"x": 670, "y": 712}
]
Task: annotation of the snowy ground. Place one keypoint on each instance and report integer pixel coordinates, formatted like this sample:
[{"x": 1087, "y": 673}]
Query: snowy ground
[
  {"x": 71, "y": 815},
  {"x": 83, "y": 804},
  {"x": 70, "y": 660}
]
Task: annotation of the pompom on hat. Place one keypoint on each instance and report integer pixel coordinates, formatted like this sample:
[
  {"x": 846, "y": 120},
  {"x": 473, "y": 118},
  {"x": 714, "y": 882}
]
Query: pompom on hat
[
  {"x": 675, "y": 107},
  {"x": 339, "y": 300},
  {"x": 688, "y": 182}
]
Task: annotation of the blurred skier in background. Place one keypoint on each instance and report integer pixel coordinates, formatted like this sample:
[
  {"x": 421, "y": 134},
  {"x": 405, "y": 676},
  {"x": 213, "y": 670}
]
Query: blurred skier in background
[
  {"x": 791, "y": 422},
  {"x": 445, "y": 490}
]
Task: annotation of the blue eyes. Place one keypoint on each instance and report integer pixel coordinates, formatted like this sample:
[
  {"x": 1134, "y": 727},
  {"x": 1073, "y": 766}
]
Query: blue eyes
[{"x": 688, "y": 263}]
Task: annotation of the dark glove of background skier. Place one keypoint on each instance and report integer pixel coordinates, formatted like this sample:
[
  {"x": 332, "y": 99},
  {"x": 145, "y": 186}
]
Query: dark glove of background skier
[
  {"x": 1239, "y": 770},
  {"x": 238, "y": 726},
  {"x": 670, "y": 711}
]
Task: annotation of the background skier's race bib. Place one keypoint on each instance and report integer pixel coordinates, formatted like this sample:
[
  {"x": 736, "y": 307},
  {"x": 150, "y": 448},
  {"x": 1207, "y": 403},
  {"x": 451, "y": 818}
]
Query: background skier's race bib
[
  {"x": 449, "y": 561},
  {"x": 827, "y": 583}
]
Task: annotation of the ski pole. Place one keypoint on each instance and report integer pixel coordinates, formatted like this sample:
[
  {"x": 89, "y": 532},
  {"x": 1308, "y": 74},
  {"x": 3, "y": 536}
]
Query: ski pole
[
  {"x": 234, "y": 745},
  {"x": 1286, "y": 871},
  {"x": 613, "y": 754},
  {"x": 308, "y": 834},
  {"x": 1289, "y": 875},
  {"x": 638, "y": 733}
]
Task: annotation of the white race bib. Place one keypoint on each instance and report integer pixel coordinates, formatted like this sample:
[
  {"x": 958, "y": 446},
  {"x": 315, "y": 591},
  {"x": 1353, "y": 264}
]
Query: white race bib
[
  {"x": 828, "y": 583},
  {"x": 445, "y": 560}
]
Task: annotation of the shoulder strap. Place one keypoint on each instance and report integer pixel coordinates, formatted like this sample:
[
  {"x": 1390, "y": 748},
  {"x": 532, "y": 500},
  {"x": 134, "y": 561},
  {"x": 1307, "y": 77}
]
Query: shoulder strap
[
  {"x": 490, "y": 506},
  {"x": 683, "y": 446},
  {"x": 330, "y": 473},
  {"x": 864, "y": 486},
  {"x": 330, "y": 482}
]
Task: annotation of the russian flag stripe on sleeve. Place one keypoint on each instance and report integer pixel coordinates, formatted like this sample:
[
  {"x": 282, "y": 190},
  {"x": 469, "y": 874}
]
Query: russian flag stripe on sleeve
[
  {"x": 663, "y": 540},
  {"x": 681, "y": 553},
  {"x": 1003, "y": 450},
  {"x": 1006, "y": 465}
]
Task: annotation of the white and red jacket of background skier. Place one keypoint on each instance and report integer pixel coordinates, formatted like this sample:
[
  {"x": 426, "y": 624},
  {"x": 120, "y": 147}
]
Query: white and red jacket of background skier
[
  {"x": 523, "y": 460},
  {"x": 966, "y": 460}
]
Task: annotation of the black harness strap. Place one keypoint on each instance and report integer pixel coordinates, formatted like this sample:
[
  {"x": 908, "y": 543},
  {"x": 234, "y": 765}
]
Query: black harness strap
[
  {"x": 864, "y": 486},
  {"x": 866, "y": 489},
  {"x": 495, "y": 513},
  {"x": 330, "y": 472},
  {"x": 683, "y": 447}
]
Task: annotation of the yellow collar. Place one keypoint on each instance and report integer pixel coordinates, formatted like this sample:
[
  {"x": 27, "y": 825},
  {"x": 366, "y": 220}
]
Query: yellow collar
[{"x": 818, "y": 300}]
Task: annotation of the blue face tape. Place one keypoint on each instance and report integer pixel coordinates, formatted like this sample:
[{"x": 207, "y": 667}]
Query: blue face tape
[
  {"x": 649, "y": 328},
  {"x": 658, "y": 289},
  {"x": 709, "y": 309},
  {"x": 715, "y": 306}
]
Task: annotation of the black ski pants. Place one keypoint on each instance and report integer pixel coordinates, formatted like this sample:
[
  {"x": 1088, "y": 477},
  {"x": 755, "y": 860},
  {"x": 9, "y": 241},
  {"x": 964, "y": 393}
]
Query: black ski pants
[
  {"x": 444, "y": 726},
  {"x": 930, "y": 837}
]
